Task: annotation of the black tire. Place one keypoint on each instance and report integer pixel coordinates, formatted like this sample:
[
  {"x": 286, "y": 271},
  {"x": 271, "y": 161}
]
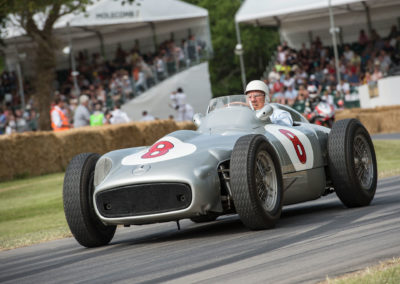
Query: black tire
[
  {"x": 247, "y": 182},
  {"x": 204, "y": 218},
  {"x": 352, "y": 163},
  {"x": 78, "y": 203}
]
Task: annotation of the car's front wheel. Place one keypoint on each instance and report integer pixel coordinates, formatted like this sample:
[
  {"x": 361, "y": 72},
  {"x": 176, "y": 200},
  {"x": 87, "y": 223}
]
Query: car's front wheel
[
  {"x": 256, "y": 182},
  {"x": 352, "y": 163},
  {"x": 78, "y": 190}
]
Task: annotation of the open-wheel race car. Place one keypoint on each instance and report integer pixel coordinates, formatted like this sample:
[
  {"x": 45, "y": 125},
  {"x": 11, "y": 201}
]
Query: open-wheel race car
[{"x": 237, "y": 161}]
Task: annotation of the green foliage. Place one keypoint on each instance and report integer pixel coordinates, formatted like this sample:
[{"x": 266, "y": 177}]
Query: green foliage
[{"x": 258, "y": 43}]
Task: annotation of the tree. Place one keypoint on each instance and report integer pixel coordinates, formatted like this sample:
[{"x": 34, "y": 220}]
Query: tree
[
  {"x": 24, "y": 13},
  {"x": 258, "y": 42}
]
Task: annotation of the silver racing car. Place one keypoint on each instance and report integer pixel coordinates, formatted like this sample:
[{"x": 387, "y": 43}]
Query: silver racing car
[{"x": 236, "y": 162}]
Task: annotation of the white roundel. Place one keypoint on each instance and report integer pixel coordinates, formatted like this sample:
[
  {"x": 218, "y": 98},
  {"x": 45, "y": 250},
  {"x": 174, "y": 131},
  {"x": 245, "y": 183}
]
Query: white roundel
[
  {"x": 296, "y": 144},
  {"x": 166, "y": 148}
]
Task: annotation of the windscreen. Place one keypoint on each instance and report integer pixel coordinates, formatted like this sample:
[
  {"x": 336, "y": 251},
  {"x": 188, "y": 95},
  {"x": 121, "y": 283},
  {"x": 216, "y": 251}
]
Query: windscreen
[{"x": 227, "y": 102}]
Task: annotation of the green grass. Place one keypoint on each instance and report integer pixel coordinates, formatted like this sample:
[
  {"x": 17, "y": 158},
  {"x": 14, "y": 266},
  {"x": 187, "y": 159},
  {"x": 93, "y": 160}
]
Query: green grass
[
  {"x": 388, "y": 157},
  {"x": 31, "y": 209},
  {"x": 387, "y": 272}
]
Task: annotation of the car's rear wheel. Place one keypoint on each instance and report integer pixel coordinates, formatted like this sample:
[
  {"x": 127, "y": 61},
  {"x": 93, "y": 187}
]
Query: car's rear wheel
[
  {"x": 352, "y": 163},
  {"x": 78, "y": 190},
  {"x": 256, "y": 182}
]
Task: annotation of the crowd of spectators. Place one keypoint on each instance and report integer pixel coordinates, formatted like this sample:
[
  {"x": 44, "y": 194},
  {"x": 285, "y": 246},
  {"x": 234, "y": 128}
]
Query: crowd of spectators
[
  {"x": 106, "y": 83},
  {"x": 297, "y": 73}
]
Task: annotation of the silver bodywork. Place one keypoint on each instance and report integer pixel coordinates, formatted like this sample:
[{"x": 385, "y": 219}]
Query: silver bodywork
[{"x": 197, "y": 156}]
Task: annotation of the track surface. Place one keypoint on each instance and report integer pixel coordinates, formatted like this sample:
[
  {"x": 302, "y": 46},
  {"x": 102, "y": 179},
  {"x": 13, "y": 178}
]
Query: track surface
[{"x": 311, "y": 241}]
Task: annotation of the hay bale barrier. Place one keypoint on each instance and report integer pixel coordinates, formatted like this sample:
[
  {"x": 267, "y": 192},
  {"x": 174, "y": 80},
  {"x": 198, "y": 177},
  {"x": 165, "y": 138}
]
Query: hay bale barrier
[
  {"x": 385, "y": 119},
  {"x": 43, "y": 152}
]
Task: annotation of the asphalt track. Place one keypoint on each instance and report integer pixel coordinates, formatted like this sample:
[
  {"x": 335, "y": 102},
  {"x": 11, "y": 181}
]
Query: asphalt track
[{"x": 311, "y": 241}]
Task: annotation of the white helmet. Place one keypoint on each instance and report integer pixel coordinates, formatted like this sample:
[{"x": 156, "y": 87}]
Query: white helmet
[{"x": 258, "y": 85}]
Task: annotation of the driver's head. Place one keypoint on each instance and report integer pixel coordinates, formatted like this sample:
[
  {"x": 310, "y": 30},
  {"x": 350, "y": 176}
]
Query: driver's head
[{"x": 257, "y": 94}]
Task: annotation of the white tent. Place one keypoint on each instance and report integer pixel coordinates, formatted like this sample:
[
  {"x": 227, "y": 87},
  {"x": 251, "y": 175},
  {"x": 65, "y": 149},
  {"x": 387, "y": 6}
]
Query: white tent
[
  {"x": 301, "y": 20},
  {"x": 109, "y": 22}
]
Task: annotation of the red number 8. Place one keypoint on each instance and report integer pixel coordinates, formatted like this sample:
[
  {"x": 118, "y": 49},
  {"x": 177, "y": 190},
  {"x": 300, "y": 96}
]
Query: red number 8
[
  {"x": 298, "y": 146},
  {"x": 158, "y": 149}
]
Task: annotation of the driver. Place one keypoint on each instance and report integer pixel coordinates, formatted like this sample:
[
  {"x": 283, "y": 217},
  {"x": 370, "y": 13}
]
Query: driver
[{"x": 258, "y": 95}]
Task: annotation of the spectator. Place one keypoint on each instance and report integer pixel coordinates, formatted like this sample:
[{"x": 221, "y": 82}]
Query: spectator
[
  {"x": 11, "y": 126},
  {"x": 59, "y": 121},
  {"x": 146, "y": 116},
  {"x": 354, "y": 79},
  {"x": 21, "y": 125},
  {"x": 178, "y": 99},
  {"x": 97, "y": 117},
  {"x": 3, "y": 121},
  {"x": 377, "y": 74},
  {"x": 82, "y": 113},
  {"x": 290, "y": 95},
  {"x": 343, "y": 87},
  {"x": 362, "y": 38},
  {"x": 118, "y": 116},
  {"x": 188, "y": 114}
]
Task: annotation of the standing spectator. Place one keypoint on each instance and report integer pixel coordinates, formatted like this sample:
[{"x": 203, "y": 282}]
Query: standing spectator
[
  {"x": 82, "y": 114},
  {"x": 160, "y": 68},
  {"x": 3, "y": 121},
  {"x": 97, "y": 117},
  {"x": 146, "y": 116},
  {"x": 363, "y": 38},
  {"x": 178, "y": 103},
  {"x": 118, "y": 116},
  {"x": 188, "y": 114},
  {"x": 11, "y": 126},
  {"x": 20, "y": 121},
  {"x": 59, "y": 121}
]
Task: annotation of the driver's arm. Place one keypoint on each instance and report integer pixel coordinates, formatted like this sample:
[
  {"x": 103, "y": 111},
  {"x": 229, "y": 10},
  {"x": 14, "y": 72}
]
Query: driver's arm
[{"x": 281, "y": 117}]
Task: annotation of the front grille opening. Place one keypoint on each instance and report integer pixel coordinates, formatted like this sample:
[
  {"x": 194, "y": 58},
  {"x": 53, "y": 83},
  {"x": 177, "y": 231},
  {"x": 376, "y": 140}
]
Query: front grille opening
[{"x": 143, "y": 199}]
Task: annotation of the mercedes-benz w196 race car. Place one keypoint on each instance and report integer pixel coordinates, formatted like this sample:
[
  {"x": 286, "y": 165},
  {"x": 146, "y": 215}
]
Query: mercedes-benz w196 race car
[{"x": 237, "y": 161}]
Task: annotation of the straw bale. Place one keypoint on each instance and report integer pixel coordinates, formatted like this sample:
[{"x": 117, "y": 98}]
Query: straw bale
[
  {"x": 30, "y": 153},
  {"x": 80, "y": 140},
  {"x": 188, "y": 125},
  {"x": 154, "y": 130}
]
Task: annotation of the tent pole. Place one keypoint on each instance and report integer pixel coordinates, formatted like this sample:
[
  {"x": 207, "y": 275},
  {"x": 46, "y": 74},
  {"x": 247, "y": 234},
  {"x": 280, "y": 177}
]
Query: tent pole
[
  {"x": 239, "y": 51},
  {"x": 71, "y": 54},
  {"x": 153, "y": 30},
  {"x": 368, "y": 14},
  {"x": 335, "y": 51}
]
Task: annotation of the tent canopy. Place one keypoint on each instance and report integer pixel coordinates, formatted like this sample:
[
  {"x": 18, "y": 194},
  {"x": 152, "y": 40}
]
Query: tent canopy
[
  {"x": 271, "y": 12},
  {"x": 105, "y": 13},
  {"x": 301, "y": 20}
]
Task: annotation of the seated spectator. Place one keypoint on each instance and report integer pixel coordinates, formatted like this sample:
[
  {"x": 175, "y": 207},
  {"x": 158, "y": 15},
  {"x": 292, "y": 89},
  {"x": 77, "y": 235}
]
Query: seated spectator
[
  {"x": 354, "y": 79},
  {"x": 290, "y": 95},
  {"x": 377, "y": 74},
  {"x": 343, "y": 87},
  {"x": 278, "y": 96}
]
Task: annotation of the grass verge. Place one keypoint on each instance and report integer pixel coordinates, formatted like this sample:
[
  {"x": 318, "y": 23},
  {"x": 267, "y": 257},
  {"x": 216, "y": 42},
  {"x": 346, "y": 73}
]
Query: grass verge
[
  {"x": 387, "y": 272},
  {"x": 31, "y": 209}
]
